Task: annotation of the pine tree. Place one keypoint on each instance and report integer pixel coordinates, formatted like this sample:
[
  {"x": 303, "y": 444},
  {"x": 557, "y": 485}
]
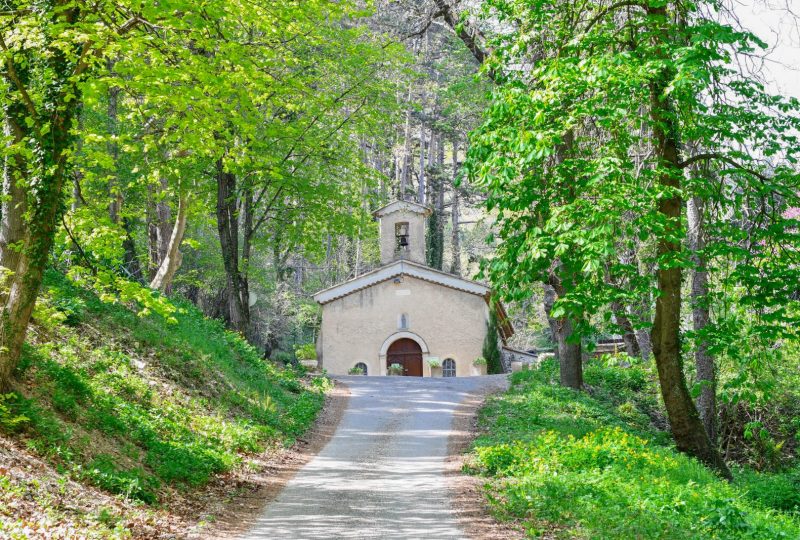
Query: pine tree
[{"x": 491, "y": 348}]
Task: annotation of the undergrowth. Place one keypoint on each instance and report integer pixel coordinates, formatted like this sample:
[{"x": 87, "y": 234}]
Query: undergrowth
[
  {"x": 595, "y": 465},
  {"x": 137, "y": 406}
]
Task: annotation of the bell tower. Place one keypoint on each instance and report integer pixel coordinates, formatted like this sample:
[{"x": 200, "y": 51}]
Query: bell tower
[{"x": 402, "y": 229}]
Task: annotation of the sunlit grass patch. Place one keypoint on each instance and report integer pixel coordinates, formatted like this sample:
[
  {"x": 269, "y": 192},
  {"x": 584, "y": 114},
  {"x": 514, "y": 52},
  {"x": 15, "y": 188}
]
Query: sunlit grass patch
[{"x": 566, "y": 463}]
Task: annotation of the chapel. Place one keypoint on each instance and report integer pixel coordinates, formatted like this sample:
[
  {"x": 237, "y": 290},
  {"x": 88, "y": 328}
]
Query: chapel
[{"x": 405, "y": 312}]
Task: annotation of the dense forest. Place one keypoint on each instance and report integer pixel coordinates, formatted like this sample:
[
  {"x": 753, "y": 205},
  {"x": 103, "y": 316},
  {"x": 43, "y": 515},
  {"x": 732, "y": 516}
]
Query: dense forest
[{"x": 613, "y": 169}]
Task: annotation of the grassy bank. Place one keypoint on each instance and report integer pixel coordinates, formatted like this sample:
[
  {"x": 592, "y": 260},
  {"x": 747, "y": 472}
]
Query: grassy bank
[
  {"x": 575, "y": 465},
  {"x": 142, "y": 410}
]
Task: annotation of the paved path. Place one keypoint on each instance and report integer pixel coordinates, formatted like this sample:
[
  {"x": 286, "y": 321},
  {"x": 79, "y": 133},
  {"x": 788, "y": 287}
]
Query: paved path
[{"x": 381, "y": 475}]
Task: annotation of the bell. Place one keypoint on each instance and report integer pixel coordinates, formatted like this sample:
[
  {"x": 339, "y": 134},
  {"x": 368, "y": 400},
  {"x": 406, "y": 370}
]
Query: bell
[{"x": 403, "y": 241}]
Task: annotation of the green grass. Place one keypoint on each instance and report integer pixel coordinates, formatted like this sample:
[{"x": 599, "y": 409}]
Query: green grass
[
  {"x": 593, "y": 466},
  {"x": 137, "y": 406}
]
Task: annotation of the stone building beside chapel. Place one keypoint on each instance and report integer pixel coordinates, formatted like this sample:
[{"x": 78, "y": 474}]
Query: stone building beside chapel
[{"x": 404, "y": 311}]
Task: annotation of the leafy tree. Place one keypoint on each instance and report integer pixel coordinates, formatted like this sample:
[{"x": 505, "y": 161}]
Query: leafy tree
[{"x": 586, "y": 158}]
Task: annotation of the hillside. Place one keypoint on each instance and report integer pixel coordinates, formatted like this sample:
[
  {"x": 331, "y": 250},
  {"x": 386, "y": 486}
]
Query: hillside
[
  {"x": 564, "y": 464},
  {"x": 122, "y": 425}
]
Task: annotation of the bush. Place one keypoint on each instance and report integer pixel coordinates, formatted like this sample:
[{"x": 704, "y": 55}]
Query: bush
[
  {"x": 570, "y": 465},
  {"x": 10, "y": 420},
  {"x": 282, "y": 357},
  {"x": 434, "y": 363},
  {"x": 306, "y": 352}
]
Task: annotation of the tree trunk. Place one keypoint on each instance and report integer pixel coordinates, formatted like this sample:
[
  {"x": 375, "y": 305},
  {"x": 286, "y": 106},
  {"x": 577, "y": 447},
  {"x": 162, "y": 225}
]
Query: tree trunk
[
  {"x": 687, "y": 429},
  {"x": 159, "y": 226},
  {"x": 130, "y": 260},
  {"x": 405, "y": 176},
  {"x": 421, "y": 187},
  {"x": 49, "y": 171},
  {"x": 228, "y": 228},
  {"x": 704, "y": 362},
  {"x": 173, "y": 257},
  {"x": 628, "y": 334},
  {"x": 570, "y": 359},
  {"x": 549, "y": 300},
  {"x": 12, "y": 224},
  {"x": 455, "y": 268},
  {"x": 114, "y": 189}
]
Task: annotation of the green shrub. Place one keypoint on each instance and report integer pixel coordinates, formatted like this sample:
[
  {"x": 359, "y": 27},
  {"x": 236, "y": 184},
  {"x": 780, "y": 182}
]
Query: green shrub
[
  {"x": 282, "y": 357},
  {"x": 780, "y": 491},
  {"x": 571, "y": 465},
  {"x": 11, "y": 421},
  {"x": 307, "y": 351},
  {"x": 133, "y": 483},
  {"x": 182, "y": 402}
]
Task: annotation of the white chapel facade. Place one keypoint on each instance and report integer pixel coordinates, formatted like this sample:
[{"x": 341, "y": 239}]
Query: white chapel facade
[{"x": 404, "y": 311}]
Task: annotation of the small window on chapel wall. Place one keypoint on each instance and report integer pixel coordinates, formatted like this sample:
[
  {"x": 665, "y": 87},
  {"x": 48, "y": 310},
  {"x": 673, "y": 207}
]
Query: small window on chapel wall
[
  {"x": 401, "y": 235},
  {"x": 449, "y": 368}
]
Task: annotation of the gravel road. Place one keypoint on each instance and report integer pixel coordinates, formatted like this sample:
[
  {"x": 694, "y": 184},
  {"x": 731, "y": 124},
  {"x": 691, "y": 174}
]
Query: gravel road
[{"x": 382, "y": 473}]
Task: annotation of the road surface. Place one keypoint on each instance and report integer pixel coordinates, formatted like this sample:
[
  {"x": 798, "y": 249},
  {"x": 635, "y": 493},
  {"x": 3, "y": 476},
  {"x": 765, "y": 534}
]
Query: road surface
[{"x": 382, "y": 473}]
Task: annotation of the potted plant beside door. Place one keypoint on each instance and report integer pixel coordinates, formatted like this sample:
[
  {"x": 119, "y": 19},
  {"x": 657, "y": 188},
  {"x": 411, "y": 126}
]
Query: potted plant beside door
[
  {"x": 436, "y": 366},
  {"x": 480, "y": 365},
  {"x": 395, "y": 369}
]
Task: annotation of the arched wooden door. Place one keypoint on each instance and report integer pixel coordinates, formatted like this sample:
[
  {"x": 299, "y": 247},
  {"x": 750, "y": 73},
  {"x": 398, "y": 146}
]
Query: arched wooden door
[{"x": 408, "y": 354}]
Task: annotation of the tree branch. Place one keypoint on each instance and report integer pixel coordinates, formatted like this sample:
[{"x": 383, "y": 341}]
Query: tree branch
[
  {"x": 708, "y": 156},
  {"x": 14, "y": 76},
  {"x": 613, "y": 7}
]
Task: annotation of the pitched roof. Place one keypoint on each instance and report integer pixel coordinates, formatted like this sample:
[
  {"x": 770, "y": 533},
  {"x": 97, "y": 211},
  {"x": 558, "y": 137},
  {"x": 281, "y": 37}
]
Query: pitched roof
[
  {"x": 402, "y": 205},
  {"x": 398, "y": 268}
]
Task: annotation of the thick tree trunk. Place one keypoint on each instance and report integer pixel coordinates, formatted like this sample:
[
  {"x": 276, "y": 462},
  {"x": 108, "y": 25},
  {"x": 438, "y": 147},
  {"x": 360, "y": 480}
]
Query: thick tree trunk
[
  {"x": 12, "y": 224},
  {"x": 687, "y": 429},
  {"x": 570, "y": 361},
  {"x": 228, "y": 228},
  {"x": 704, "y": 362},
  {"x": 173, "y": 257},
  {"x": 570, "y": 358},
  {"x": 49, "y": 170}
]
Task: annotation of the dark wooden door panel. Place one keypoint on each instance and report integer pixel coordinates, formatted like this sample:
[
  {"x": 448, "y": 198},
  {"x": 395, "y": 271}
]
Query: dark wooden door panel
[{"x": 407, "y": 353}]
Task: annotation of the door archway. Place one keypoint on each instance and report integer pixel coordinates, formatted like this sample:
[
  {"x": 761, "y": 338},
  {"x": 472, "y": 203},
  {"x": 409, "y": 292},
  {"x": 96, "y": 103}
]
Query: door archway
[{"x": 408, "y": 354}]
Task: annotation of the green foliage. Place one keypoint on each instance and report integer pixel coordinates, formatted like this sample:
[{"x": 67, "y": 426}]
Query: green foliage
[
  {"x": 434, "y": 362},
  {"x": 480, "y": 361},
  {"x": 307, "y": 351},
  {"x": 355, "y": 371},
  {"x": 568, "y": 465},
  {"x": 10, "y": 421},
  {"x": 491, "y": 345},
  {"x": 282, "y": 357},
  {"x": 773, "y": 490},
  {"x": 175, "y": 404}
]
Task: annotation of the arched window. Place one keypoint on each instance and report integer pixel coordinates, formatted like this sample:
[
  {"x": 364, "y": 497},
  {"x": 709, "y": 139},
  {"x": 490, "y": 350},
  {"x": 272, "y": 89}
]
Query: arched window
[
  {"x": 362, "y": 366},
  {"x": 449, "y": 368}
]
